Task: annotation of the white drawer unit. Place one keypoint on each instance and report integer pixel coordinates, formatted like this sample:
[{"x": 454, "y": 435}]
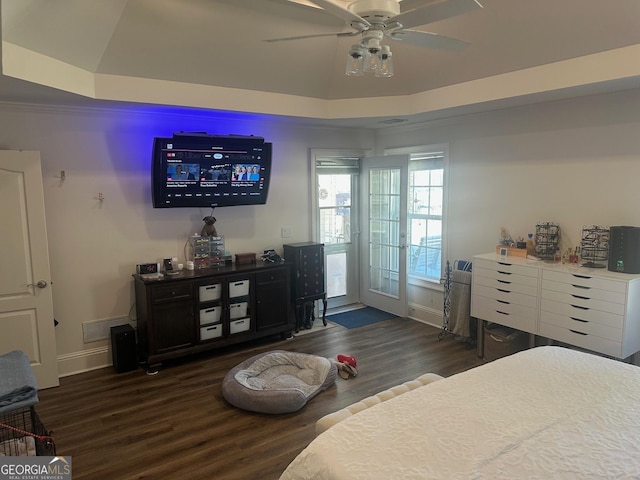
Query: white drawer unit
[
  {"x": 584, "y": 310},
  {"x": 590, "y": 308},
  {"x": 506, "y": 293}
]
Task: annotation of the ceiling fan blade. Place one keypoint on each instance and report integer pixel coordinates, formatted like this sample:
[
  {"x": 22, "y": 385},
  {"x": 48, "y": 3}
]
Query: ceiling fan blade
[
  {"x": 302, "y": 37},
  {"x": 429, "y": 40},
  {"x": 434, "y": 12},
  {"x": 340, "y": 12}
]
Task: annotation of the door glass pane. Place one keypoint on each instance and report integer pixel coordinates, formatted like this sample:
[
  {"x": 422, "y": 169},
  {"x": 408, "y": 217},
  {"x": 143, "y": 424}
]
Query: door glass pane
[
  {"x": 336, "y": 274},
  {"x": 334, "y": 201},
  {"x": 384, "y": 230}
]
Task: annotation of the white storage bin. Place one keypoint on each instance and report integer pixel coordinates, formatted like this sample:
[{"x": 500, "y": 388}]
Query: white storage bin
[
  {"x": 207, "y": 293},
  {"x": 212, "y": 331},
  {"x": 210, "y": 315},
  {"x": 238, "y": 326},
  {"x": 239, "y": 288},
  {"x": 238, "y": 310}
]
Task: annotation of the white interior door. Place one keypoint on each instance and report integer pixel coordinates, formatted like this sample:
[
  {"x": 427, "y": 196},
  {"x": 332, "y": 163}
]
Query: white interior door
[
  {"x": 384, "y": 233},
  {"x": 26, "y": 305}
]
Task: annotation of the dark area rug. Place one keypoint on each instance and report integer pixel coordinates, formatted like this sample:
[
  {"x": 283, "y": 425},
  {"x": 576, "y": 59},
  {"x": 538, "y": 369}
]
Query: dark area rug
[{"x": 360, "y": 317}]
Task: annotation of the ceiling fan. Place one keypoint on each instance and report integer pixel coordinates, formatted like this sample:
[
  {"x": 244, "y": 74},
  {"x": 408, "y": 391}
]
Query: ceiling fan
[{"x": 375, "y": 20}]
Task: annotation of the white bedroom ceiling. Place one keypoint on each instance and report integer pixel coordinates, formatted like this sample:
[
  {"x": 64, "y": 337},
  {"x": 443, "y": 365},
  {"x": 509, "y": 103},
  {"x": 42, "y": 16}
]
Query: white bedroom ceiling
[{"x": 211, "y": 54}]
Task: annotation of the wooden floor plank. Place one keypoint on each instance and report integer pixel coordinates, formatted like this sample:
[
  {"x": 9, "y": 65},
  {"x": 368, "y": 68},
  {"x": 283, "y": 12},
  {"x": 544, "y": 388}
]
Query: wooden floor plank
[{"x": 176, "y": 424}]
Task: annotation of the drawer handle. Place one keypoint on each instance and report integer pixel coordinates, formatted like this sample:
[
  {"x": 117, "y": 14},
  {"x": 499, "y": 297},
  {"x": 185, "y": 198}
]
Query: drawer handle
[
  {"x": 581, "y": 286},
  {"x": 580, "y": 307},
  {"x": 579, "y": 333},
  {"x": 507, "y": 264},
  {"x": 237, "y": 284},
  {"x": 580, "y": 297},
  {"x": 504, "y": 273},
  {"x": 210, "y": 310},
  {"x": 502, "y": 313},
  {"x": 582, "y": 276},
  {"x": 504, "y": 281},
  {"x": 503, "y": 302},
  {"x": 579, "y": 320},
  {"x": 503, "y": 291},
  {"x": 212, "y": 287}
]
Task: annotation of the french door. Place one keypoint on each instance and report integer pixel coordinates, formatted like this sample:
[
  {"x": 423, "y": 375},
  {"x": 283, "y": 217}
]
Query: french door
[
  {"x": 336, "y": 225},
  {"x": 383, "y": 239}
]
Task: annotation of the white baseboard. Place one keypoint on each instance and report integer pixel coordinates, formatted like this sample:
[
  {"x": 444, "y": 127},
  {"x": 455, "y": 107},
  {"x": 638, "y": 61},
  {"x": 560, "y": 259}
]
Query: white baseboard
[
  {"x": 84, "y": 361},
  {"x": 425, "y": 315}
]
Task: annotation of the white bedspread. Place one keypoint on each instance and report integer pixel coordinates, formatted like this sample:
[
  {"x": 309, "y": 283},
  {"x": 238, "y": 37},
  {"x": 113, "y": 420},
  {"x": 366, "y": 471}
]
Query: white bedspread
[{"x": 543, "y": 413}]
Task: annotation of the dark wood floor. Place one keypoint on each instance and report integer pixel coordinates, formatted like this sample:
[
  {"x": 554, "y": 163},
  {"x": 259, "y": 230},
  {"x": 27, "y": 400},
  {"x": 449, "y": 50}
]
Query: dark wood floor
[{"x": 177, "y": 425}]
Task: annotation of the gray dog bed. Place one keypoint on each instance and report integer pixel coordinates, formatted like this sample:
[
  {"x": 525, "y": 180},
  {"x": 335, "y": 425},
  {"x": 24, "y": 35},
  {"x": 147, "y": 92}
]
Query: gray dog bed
[{"x": 278, "y": 381}]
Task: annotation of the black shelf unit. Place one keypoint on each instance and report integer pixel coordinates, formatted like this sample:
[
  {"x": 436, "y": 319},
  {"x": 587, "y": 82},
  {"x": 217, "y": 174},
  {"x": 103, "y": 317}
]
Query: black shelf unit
[{"x": 307, "y": 280}]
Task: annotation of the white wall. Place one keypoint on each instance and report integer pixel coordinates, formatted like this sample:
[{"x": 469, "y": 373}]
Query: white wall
[
  {"x": 94, "y": 246},
  {"x": 575, "y": 162}
]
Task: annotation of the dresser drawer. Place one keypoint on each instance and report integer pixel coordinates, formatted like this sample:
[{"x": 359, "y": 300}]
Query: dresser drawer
[
  {"x": 171, "y": 292},
  {"x": 584, "y": 302},
  {"x": 583, "y": 340},
  {"x": 584, "y": 292},
  {"x": 586, "y": 281},
  {"x": 515, "y": 316},
  {"x": 503, "y": 276},
  {"x": 505, "y": 267},
  {"x": 581, "y": 313},
  {"x": 582, "y": 326},
  {"x": 505, "y": 295},
  {"x": 507, "y": 283}
]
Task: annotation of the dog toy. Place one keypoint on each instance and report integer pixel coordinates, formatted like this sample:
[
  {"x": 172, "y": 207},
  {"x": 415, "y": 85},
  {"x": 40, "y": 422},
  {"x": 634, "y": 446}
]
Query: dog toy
[
  {"x": 346, "y": 366},
  {"x": 208, "y": 230}
]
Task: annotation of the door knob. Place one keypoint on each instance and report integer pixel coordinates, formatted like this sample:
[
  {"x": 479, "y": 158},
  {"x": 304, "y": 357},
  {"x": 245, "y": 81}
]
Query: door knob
[{"x": 40, "y": 284}]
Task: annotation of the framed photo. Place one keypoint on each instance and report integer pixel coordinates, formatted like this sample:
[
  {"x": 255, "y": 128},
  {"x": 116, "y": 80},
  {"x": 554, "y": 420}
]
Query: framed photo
[{"x": 503, "y": 252}]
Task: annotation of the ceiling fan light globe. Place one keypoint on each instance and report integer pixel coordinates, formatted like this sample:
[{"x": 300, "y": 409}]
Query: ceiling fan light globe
[
  {"x": 386, "y": 63},
  {"x": 355, "y": 64},
  {"x": 371, "y": 61}
]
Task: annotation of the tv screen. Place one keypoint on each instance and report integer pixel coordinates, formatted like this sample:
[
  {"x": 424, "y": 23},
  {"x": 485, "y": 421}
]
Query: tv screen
[{"x": 200, "y": 170}]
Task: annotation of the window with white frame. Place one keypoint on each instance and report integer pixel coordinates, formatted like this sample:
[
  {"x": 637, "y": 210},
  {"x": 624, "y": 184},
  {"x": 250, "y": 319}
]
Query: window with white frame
[{"x": 425, "y": 205}]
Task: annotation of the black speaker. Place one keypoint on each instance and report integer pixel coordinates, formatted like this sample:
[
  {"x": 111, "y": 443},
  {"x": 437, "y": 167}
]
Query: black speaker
[
  {"x": 123, "y": 348},
  {"x": 624, "y": 249}
]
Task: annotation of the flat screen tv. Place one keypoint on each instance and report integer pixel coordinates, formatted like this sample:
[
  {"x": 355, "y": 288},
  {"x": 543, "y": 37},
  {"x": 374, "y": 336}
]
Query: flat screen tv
[{"x": 201, "y": 170}]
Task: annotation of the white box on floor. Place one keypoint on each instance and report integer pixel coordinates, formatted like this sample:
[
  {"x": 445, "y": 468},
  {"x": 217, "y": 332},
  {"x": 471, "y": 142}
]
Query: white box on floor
[{"x": 238, "y": 326}]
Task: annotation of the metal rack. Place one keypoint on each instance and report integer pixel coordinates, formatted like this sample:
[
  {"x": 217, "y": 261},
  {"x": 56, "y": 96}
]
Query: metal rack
[
  {"x": 594, "y": 246},
  {"x": 547, "y": 240}
]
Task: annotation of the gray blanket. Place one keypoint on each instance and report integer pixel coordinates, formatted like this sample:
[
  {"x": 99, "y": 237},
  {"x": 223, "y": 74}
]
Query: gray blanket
[
  {"x": 460, "y": 315},
  {"x": 18, "y": 385}
]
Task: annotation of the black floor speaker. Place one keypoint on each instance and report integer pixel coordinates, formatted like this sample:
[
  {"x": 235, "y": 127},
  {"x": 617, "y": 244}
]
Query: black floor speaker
[
  {"x": 624, "y": 249},
  {"x": 123, "y": 348}
]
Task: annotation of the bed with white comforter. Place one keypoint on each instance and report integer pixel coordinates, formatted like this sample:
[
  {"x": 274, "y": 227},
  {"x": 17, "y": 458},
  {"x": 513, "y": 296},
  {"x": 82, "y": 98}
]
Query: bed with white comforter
[{"x": 547, "y": 412}]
